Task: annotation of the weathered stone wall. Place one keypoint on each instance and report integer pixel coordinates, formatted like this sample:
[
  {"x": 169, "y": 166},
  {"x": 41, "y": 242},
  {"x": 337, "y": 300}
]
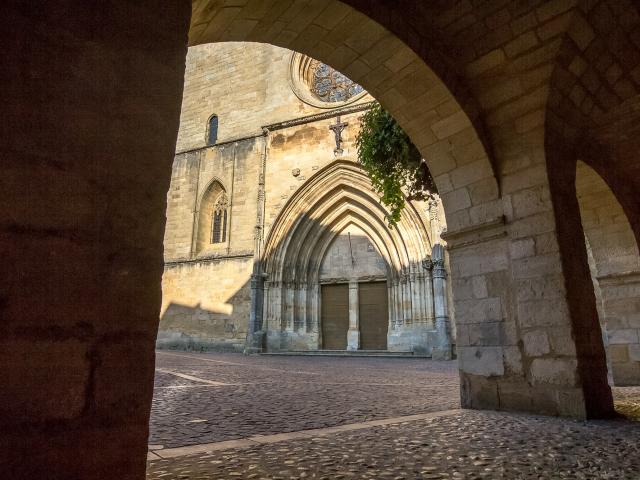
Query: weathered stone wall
[
  {"x": 236, "y": 167},
  {"x": 296, "y": 153},
  {"x": 181, "y": 206},
  {"x": 205, "y": 288},
  {"x": 205, "y": 304},
  {"x": 616, "y": 269},
  {"x": 352, "y": 255},
  {"x": 246, "y": 84}
]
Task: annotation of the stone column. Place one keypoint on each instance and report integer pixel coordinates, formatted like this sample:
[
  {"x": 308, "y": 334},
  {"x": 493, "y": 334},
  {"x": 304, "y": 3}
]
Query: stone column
[
  {"x": 393, "y": 307},
  {"x": 289, "y": 312},
  {"x": 314, "y": 305},
  {"x": 82, "y": 221},
  {"x": 442, "y": 349},
  {"x": 353, "y": 335},
  {"x": 397, "y": 303},
  {"x": 417, "y": 312},
  {"x": 406, "y": 297},
  {"x": 427, "y": 264},
  {"x": 255, "y": 333}
]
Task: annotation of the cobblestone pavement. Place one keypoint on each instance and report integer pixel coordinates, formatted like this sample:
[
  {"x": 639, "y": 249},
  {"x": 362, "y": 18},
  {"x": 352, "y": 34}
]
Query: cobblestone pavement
[
  {"x": 465, "y": 445},
  {"x": 266, "y": 395},
  {"x": 249, "y": 396}
]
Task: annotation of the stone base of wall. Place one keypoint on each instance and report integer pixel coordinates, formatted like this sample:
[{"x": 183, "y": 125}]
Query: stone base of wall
[
  {"x": 620, "y": 300},
  {"x": 495, "y": 393},
  {"x": 180, "y": 341},
  {"x": 421, "y": 340},
  {"x": 292, "y": 341},
  {"x": 626, "y": 374}
]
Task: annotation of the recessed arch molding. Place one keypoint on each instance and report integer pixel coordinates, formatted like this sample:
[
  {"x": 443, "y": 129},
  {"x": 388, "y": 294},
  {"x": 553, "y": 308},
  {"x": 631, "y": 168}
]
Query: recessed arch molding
[{"x": 336, "y": 197}]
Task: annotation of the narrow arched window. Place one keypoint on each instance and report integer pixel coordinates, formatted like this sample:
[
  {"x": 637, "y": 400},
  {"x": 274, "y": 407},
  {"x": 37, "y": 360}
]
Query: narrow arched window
[
  {"x": 212, "y": 130},
  {"x": 219, "y": 220}
]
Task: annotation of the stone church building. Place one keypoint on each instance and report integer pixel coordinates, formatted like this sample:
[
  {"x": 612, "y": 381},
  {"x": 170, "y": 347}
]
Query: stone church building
[{"x": 275, "y": 240}]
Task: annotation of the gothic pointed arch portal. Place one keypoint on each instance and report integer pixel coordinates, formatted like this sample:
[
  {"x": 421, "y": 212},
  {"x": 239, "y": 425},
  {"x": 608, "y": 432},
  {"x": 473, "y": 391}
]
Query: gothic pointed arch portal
[{"x": 338, "y": 198}]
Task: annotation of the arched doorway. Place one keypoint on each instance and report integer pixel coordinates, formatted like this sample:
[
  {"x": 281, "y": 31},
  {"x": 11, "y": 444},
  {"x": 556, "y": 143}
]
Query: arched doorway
[{"x": 297, "y": 266}]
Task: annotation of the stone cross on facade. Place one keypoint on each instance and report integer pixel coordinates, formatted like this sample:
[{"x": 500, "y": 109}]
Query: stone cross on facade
[{"x": 337, "y": 131}]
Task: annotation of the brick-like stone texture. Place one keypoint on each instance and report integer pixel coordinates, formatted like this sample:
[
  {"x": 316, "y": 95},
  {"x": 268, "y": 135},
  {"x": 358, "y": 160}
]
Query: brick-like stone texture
[{"x": 615, "y": 269}]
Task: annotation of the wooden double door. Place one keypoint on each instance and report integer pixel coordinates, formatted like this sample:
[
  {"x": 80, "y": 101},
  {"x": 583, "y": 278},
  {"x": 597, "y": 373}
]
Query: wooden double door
[
  {"x": 373, "y": 310},
  {"x": 373, "y": 313}
]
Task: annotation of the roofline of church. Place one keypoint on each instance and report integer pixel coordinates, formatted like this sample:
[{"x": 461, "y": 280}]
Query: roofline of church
[
  {"x": 287, "y": 124},
  {"x": 319, "y": 116}
]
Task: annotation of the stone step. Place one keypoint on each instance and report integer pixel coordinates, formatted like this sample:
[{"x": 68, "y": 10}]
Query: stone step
[{"x": 345, "y": 353}]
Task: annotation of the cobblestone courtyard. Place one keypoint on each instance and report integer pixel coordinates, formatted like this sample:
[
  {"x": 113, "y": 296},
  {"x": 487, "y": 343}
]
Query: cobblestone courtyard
[{"x": 325, "y": 417}]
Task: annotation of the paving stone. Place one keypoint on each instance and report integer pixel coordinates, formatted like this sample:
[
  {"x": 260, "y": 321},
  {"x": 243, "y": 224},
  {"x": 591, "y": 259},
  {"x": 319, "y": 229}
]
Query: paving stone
[
  {"x": 276, "y": 395},
  {"x": 286, "y": 394},
  {"x": 470, "y": 444}
]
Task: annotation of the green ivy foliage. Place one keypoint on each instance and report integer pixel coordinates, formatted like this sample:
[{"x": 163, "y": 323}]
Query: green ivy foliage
[{"x": 393, "y": 163}]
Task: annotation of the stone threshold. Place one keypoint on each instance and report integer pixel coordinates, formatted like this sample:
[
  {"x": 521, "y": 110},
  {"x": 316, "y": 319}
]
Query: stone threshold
[
  {"x": 346, "y": 353},
  {"x": 158, "y": 454}
]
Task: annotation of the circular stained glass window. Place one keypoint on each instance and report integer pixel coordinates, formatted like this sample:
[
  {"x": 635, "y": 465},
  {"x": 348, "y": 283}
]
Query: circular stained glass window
[
  {"x": 329, "y": 85},
  {"x": 320, "y": 85}
]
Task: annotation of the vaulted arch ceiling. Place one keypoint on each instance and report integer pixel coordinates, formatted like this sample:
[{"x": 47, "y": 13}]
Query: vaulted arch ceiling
[{"x": 593, "y": 110}]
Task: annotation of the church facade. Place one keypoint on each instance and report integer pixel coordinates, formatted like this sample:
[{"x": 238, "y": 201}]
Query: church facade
[{"x": 275, "y": 239}]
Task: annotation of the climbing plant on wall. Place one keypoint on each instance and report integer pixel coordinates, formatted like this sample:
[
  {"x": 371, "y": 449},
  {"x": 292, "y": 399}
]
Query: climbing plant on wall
[{"x": 393, "y": 163}]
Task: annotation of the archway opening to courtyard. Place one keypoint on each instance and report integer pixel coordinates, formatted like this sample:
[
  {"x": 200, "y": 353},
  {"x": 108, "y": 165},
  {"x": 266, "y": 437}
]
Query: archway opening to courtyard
[
  {"x": 615, "y": 265},
  {"x": 260, "y": 214},
  {"x": 321, "y": 211},
  {"x": 499, "y": 330},
  {"x": 310, "y": 264}
]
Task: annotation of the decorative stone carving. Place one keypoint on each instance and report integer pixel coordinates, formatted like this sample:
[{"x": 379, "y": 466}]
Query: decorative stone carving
[
  {"x": 299, "y": 239},
  {"x": 321, "y": 86},
  {"x": 337, "y": 129}
]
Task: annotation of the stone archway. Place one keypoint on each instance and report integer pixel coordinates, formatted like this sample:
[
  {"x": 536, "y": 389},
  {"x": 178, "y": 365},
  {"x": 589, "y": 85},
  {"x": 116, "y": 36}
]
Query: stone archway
[
  {"x": 493, "y": 226},
  {"x": 589, "y": 115},
  {"x": 367, "y": 53},
  {"x": 615, "y": 270},
  {"x": 336, "y": 197}
]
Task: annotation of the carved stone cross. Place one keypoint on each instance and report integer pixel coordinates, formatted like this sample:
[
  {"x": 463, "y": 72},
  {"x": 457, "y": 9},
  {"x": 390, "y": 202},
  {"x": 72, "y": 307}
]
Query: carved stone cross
[{"x": 337, "y": 131}]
